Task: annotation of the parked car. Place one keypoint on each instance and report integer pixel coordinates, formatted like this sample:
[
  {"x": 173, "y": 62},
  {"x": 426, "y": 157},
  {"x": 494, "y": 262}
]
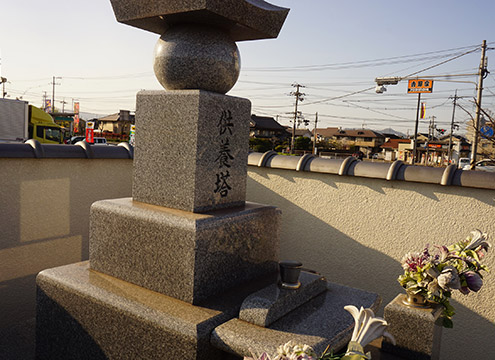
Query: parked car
[
  {"x": 483, "y": 165},
  {"x": 75, "y": 139},
  {"x": 100, "y": 141},
  {"x": 97, "y": 140},
  {"x": 463, "y": 161}
]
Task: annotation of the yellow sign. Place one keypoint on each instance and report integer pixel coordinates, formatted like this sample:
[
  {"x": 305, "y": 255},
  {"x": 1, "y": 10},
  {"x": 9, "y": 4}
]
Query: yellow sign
[{"x": 419, "y": 86}]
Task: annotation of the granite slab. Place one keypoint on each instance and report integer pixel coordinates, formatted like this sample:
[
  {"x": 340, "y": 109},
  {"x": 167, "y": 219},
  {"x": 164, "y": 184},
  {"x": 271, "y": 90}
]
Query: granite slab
[
  {"x": 242, "y": 19},
  {"x": 185, "y": 255},
  {"x": 83, "y": 314},
  {"x": 191, "y": 149},
  {"x": 267, "y": 305},
  {"x": 319, "y": 322},
  {"x": 416, "y": 332}
]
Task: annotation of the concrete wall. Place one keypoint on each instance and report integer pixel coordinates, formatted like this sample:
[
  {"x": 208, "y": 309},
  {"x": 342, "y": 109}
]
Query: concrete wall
[
  {"x": 355, "y": 230},
  {"x": 44, "y": 211},
  {"x": 352, "y": 229}
]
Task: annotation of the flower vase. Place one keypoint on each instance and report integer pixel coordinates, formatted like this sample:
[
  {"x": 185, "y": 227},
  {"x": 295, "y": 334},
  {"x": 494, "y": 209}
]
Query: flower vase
[{"x": 415, "y": 300}]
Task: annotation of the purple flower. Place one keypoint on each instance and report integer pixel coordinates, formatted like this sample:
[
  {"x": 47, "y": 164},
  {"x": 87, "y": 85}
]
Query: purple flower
[{"x": 473, "y": 280}]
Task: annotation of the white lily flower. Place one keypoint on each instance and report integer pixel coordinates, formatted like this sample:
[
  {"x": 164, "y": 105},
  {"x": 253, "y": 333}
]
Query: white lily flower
[
  {"x": 367, "y": 327},
  {"x": 477, "y": 238}
]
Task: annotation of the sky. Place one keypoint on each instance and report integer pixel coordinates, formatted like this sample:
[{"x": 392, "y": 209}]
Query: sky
[{"x": 334, "y": 48}]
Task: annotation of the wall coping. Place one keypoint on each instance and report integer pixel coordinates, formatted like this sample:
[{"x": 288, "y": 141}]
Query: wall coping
[
  {"x": 32, "y": 149},
  {"x": 350, "y": 166},
  {"x": 396, "y": 171}
]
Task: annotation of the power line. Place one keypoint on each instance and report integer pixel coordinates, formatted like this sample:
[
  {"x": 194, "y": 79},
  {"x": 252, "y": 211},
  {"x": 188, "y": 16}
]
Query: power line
[{"x": 354, "y": 63}]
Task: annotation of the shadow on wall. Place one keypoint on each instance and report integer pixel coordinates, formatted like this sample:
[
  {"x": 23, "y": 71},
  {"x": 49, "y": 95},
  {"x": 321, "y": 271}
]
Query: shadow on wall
[
  {"x": 342, "y": 259},
  {"x": 326, "y": 250}
]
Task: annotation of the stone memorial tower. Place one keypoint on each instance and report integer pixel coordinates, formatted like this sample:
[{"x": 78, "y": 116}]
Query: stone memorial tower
[{"x": 171, "y": 263}]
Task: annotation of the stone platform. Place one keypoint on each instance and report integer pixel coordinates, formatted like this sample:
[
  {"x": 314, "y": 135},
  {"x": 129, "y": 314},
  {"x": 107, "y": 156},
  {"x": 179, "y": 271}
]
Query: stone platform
[
  {"x": 83, "y": 314},
  {"x": 319, "y": 323}
]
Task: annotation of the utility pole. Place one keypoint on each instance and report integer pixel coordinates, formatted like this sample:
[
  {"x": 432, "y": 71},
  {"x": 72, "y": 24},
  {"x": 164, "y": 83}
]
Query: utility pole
[
  {"x": 481, "y": 75},
  {"x": 53, "y": 92},
  {"x": 63, "y": 105},
  {"x": 314, "y": 134},
  {"x": 415, "y": 146},
  {"x": 3, "y": 81},
  {"x": 431, "y": 132},
  {"x": 452, "y": 128},
  {"x": 299, "y": 97}
]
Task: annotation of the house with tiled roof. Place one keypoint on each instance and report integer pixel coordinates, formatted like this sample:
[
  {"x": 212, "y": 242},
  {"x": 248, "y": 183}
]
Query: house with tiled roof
[
  {"x": 117, "y": 124},
  {"x": 365, "y": 140},
  {"x": 394, "y": 149},
  {"x": 299, "y": 132},
  {"x": 266, "y": 127}
]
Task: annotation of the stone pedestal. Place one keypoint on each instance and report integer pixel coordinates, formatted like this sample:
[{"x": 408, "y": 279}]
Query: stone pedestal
[
  {"x": 185, "y": 255},
  {"x": 415, "y": 329},
  {"x": 191, "y": 149}
]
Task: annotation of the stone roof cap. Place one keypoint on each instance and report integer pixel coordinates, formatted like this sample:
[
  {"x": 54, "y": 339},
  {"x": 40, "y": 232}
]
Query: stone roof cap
[{"x": 243, "y": 19}]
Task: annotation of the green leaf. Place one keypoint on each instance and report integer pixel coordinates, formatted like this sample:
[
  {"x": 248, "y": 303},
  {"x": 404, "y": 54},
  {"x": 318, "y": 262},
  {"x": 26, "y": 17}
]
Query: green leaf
[{"x": 447, "y": 323}]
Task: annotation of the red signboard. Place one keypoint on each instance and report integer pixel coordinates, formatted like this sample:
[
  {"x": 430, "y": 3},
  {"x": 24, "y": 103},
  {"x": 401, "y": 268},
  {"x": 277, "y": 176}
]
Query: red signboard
[
  {"x": 90, "y": 132},
  {"x": 90, "y": 136}
]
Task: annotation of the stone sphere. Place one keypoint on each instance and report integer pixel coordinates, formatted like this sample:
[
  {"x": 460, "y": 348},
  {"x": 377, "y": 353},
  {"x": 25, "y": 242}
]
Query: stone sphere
[{"x": 196, "y": 57}]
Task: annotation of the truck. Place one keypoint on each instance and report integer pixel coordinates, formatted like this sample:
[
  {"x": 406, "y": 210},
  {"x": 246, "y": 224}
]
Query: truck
[{"x": 20, "y": 121}]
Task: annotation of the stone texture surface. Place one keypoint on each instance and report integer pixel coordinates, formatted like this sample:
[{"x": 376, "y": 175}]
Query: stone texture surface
[
  {"x": 191, "y": 149},
  {"x": 416, "y": 333},
  {"x": 243, "y": 19},
  {"x": 196, "y": 57},
  {"x": 83, "y": 314},
  {"x": 319, "y": 322},
  {"x": 271, "y": 303},
  {"x": 185, "y": 255}
]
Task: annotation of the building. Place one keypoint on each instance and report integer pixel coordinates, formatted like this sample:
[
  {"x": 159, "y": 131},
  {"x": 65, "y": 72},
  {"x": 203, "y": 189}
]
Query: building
[
  {"x": 393, "y": 149},
  {"x": 365, "y": 140},
  {"x": 299, "y": 132},
  {"x": 266, "y": 128},
  {"x": 486, "y": 144},
  {"x": 116, "y": 125}
]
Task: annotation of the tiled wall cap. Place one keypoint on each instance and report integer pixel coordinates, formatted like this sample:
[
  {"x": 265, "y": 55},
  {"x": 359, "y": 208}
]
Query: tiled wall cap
[
  {"x": 254, "y": 158},
  {"x": 394, "y": 169},
  {"x": 368, "y": 169},
  {"x": 129, "y": 148},
  {"x": 448, "y": 175},
  {"x": 87, "y": 148},
  {"x": 265, "y": 157},
  {"x": 325, "y": 166},
  {"x": 344, "y": 167},
  {"x": 422, "y": 174},
  {"x": 37, "y": 148},
  {"x": 301, "y": 165}
]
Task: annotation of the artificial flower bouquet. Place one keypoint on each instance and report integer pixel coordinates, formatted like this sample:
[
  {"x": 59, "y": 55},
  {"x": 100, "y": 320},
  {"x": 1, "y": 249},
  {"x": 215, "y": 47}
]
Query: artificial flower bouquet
[
  {"x": 366, "y": 329},
  {"x": 436, "y": 274}
]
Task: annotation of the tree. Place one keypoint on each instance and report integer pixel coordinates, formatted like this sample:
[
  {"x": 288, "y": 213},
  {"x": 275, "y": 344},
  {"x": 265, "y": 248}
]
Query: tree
[
  {"x": 303, "y": 143},
  {"x": 260, "y": 145}
]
